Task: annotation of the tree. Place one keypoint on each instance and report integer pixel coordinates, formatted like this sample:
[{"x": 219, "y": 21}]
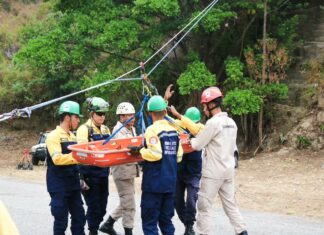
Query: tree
[{"x": 267, "y": 69}]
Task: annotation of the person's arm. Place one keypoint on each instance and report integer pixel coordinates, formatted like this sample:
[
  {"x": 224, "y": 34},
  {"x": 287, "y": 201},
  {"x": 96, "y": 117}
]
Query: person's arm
[
  {"x": 153, "y": 150},
  {"x": 186, "y": 123},
  {"x": 204, "y": 136},
  {"x": 82, "y": 134},
  {"x": 168, "y": 93},
  {"x": 192, "y": 127},
  {"x": 55, "y": 151}
]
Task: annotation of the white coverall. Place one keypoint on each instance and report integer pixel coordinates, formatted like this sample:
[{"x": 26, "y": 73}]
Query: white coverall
[{"x": 219, "y": 140}]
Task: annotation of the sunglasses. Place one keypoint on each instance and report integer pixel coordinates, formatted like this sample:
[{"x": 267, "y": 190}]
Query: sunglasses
[{"x": 101, "y": 114}]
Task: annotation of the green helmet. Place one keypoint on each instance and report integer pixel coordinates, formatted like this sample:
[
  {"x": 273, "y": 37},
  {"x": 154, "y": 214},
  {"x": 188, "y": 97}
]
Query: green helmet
[
  {"x": 97, "y": 104},
  {"x": 193, "y": 114},
  {"x": 70, "y": 107},
  {"x": 156, "y": 103}
]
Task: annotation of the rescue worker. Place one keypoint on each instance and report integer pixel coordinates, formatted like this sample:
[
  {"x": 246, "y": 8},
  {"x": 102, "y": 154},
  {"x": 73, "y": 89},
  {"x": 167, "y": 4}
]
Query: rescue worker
[
  {"x": 94, "y": 180},
  {"x": 161, "y": 153},
  {"x": 189, "y": 173},
  {"x": 124, "y": 176},
  {"x": 219, "y": 140},
  {"x": 62, "y": 177}
]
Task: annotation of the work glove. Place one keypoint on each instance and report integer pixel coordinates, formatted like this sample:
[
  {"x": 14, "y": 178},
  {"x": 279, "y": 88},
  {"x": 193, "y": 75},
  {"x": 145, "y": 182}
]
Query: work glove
[
  {"x": 84, "y": 186},
  {"x": 134, "y": 149}
]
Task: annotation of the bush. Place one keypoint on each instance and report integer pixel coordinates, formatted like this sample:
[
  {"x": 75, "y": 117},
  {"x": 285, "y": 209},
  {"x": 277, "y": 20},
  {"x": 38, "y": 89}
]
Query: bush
[
  {"x": 303, "y": 142},
  {"x": 322, "y": 127}
]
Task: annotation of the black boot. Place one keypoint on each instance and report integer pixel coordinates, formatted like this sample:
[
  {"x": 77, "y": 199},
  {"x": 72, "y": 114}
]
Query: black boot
[
  {"x": 189, "y": 230},
  {"x": 93, "y": 232},
  {"x": 108, "y": 227},
  {"x": 128, "y": 231},
  {"x": 243, "y": 233}
]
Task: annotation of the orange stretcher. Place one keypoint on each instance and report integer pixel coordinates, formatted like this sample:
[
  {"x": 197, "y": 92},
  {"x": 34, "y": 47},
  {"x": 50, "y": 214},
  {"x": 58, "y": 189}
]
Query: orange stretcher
[{"x": 115, "y": 152}]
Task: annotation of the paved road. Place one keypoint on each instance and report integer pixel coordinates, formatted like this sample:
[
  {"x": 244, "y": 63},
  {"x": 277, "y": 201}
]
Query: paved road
[{"x": 27, "y": 203}]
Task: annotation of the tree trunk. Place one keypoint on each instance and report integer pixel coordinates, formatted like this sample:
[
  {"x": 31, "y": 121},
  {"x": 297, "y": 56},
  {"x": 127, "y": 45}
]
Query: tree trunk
[
  {"x": 260, "y": 126},
  {"x": 251, "y": 127},
  {"x": 246, "y": 134},
  {"x": 264, "y": 64},
  {"x": 242, "y": 125}
]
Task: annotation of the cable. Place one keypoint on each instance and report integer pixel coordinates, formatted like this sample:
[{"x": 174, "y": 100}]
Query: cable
[
  {"x": 176, "y": 35},
  {"x": 177, "y": 43}
]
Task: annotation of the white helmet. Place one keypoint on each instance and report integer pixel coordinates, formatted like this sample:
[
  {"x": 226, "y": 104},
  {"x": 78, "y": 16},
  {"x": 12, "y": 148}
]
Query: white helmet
[{"x": 125, "y": 108}]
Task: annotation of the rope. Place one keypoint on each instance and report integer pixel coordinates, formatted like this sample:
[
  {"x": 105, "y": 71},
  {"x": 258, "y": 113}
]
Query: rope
[
  {"x": 26, "y": 112},
  {"x": 176, "y": 35},
  {"x": 205, "y": 11}
]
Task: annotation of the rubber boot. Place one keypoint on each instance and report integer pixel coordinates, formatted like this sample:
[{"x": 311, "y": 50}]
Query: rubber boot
[
  {"x": 128, "y": 231},
  {"x": 108, "y": 227},
  {"x": 189, "y": 230},
  {"x": 243, "y": 233},
  {"x": 93, "y": 232}
]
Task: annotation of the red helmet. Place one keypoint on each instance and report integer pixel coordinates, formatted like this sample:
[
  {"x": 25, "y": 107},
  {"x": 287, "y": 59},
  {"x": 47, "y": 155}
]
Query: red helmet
[{"x": 210, "y": 94}]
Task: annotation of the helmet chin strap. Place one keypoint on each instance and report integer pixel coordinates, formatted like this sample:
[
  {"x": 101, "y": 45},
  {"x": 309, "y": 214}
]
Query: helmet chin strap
[
  {"x": 94, "y": 122},
  {"x": 211, "y": 109}
]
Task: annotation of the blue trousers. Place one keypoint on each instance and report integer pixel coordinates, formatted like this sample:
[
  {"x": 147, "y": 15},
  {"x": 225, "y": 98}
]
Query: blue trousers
[
  {"x": 186, "y": 208},
  {"x": 96, "y": 199},
  {"x": 63, "y": 203},
  {"x": 157, "y": 209}
]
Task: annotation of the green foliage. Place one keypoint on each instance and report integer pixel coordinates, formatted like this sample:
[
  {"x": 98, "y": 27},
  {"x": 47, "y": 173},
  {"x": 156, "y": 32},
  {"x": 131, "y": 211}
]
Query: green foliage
[
  {"x": 287, "y": 33},
  {"x": 322, "y": 127},
  {"x": 121, "y": 34},
  {"x": 216, "y": 19},
  {"x": 272, "y": 91},
  {"x": 242, "y": 102},
  {"x": 195, "y": 77},
  {"x": 234, "y": 72},
  {"x": 46, "y": 52},
  {"x": 303, "y": 142},
  {"x": 159, "y": 7}
]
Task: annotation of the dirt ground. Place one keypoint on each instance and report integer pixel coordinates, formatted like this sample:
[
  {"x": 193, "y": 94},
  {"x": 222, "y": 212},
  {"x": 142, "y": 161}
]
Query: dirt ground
[{"x": 287, "y": 182}]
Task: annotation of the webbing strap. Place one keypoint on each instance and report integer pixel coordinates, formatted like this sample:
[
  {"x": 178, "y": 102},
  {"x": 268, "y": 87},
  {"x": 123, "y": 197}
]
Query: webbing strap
[
  {"x": 139, "y": 113},
  {"x": 174, "y": 123}
]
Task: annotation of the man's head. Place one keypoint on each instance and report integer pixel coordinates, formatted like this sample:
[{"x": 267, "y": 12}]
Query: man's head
[
  {"x": 125, "y": 111},
  {"x": 69, "y": 112},
  {"x": 97, "y": 108},
  {"x": 211, "y": 99},
  {"x": 157, "y": 107},
  {"x": 193, "y": 114}
]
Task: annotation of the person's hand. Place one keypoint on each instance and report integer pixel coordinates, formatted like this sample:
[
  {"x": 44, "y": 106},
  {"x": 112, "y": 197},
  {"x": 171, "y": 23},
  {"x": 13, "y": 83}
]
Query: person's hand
[
  {"x": 84, "y": 186},
  {"x": 175, "y": 113},
  {"x": 134, "y": 149},
  {"x": 168, "y": 93}
]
